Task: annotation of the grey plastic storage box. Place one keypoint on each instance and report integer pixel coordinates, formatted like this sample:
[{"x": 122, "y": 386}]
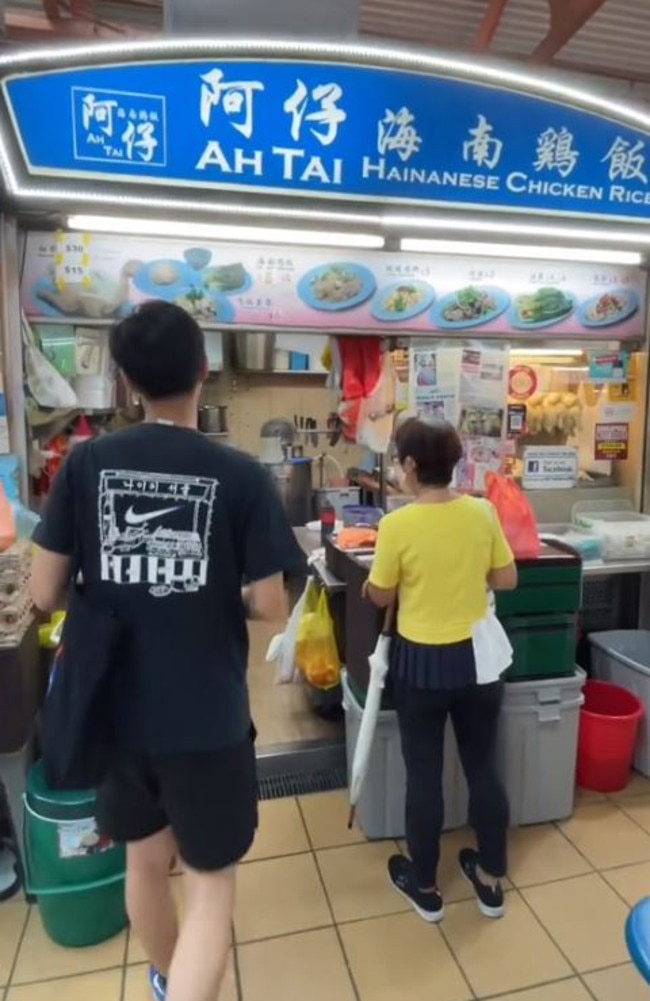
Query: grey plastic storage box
[
  {"x": 537, "y": 747},
  {"x": 381, "y": 809},
  {"x": 622, "y": 657}
]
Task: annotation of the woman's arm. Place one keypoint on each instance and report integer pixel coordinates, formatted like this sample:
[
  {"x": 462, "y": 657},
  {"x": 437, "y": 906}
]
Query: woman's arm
[
  {"x": 383, "y": 580},
  {"x": 382, "y": 597},
  {"x": 503, "y": 578},
  {"x": 503, "y": 572}
]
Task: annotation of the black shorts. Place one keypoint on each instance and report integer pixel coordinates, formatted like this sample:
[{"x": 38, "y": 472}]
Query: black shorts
[{"x": 209, "y": 799}]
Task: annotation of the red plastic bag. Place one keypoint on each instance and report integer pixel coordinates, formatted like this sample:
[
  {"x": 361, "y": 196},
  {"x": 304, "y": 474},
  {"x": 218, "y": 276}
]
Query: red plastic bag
[{"x": 516, "y": 515}]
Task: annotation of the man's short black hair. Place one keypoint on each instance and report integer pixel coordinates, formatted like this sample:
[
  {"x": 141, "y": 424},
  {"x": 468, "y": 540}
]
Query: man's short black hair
[
  {"x": 433, "y": 445},
  {"x": 161, "y": 350}
]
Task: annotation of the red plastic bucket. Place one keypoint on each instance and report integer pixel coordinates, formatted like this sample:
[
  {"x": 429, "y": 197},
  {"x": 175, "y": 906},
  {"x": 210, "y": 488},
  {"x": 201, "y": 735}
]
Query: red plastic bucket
[{"x": 609, "y": 722}]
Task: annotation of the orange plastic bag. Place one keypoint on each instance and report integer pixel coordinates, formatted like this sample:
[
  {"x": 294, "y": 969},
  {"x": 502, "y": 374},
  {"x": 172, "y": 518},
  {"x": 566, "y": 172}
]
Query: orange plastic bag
[
  {"x": 516, "y": 515},
  {"x": 316, "y": 651}
]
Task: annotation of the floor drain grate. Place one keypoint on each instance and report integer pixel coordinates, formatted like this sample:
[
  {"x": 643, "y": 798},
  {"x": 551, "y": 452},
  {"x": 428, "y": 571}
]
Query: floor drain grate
[{"x": 302, "y": 783}]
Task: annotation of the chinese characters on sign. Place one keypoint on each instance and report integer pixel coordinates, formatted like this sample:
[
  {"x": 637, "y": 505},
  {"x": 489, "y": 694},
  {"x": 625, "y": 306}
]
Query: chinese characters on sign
[
  {"x": 235, "y": 98},
  {"x": 555, "y": 151},
  {"x": 483, "y": 148},
  {"x": 112, "y": 125},
  {"x": 397, "y": 133},
  {"x": 328, "y": 116},
  {"x": 626, "y": 161},
  {"x": 337, "y": 129}
]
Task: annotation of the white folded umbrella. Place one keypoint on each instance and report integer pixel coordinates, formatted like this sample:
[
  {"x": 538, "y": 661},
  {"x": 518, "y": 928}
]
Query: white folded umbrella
[{"x": 379, "y": 663}]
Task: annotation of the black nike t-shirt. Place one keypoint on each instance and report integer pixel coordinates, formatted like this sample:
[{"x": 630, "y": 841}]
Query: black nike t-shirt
[{"x": 165, "y": 527}]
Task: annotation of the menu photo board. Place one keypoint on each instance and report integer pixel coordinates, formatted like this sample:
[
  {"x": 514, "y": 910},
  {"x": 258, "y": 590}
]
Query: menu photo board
[{"x": 348, "y": 291}]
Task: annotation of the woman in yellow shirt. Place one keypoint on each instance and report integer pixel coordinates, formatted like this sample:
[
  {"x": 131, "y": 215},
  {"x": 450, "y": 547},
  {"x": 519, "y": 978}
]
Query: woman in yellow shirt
[{"x": 437, "y": 558}]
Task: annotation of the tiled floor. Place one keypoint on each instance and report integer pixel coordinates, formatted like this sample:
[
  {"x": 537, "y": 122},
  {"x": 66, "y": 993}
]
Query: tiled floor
[{"x": 317, "y": 921}]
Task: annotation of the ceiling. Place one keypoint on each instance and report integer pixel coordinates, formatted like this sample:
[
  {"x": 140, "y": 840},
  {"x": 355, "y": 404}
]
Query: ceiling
[{"x": 605, "y": 38}]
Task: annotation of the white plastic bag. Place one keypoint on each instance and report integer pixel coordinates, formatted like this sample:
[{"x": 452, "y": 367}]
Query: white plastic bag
[
  {"x": 492, "y": 648},
  {"x": 45, "y": 383},
  {"x": 282, "y": 648}
]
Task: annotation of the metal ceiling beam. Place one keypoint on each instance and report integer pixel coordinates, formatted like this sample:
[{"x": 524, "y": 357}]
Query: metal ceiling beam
[
  {"x": 21, "y": 26},
  {"x": 567, "y": 18},
  {"x": 52, "y": 9},
  {"x": 488, "y": 26}
]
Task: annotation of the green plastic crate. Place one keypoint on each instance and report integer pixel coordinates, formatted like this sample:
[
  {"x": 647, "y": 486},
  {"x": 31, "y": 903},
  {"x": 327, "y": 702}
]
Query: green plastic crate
[
  {"x": 544, "y": 646},
  {"x": 550, "y": 584}
]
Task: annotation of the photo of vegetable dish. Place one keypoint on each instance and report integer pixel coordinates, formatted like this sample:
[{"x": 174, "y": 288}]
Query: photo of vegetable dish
[
  {"x": 470, "y": 304},
  {"x": 608, "y": 308},
  {"x": 402, "y": 301},
  {"x": 403, "y": 298},
  {"x": 336, "y": 286},
  {"x": 203, "y": 306},
  {"x": 227, "y": 278},
  {"x": 543, "y": 307}
]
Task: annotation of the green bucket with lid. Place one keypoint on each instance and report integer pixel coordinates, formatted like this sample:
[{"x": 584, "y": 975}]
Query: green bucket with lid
[{"x": 76, "y": 875}]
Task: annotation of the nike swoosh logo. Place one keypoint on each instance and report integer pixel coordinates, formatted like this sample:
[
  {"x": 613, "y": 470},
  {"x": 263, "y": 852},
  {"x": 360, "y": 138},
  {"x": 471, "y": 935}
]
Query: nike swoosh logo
[{"x": 132, "y": 518}]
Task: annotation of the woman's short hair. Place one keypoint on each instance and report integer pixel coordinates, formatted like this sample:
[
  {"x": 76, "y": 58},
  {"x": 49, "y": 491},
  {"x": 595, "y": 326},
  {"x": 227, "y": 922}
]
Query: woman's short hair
[{"x": 433, "y": 445}]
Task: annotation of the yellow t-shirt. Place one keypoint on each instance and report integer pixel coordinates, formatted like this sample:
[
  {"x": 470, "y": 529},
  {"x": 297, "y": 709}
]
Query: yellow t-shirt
[{"x": 438, "y": 557}]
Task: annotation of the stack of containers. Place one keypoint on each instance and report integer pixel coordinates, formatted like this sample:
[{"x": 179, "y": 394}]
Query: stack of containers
[
  {"x": 538, "y": 736},
  {"x": 622, "y": 657},
  {"x": 382, "y": 805}
]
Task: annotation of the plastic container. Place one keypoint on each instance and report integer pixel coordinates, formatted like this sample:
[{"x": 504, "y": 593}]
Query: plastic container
[
  {"x": 609, "y": 721},
  {"x": 544, "y": 646},
  {"x": 624, "y": 532},
  {"x": 382, "y": 805},
  {"x": 622, "y": 657},
  {"x": 360, "y": 514},
  {"x": 76, "y": 875},
  {"x": 537, "y": 746},
  {"x": 552, "y": 583}
]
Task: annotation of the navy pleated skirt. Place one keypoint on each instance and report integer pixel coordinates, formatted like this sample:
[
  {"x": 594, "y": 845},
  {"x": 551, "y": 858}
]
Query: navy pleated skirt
[{"x": 437, "y": 668}]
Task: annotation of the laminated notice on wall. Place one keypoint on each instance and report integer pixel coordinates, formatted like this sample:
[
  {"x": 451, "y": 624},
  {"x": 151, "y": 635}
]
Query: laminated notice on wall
[{"x": 466, "y": 385}]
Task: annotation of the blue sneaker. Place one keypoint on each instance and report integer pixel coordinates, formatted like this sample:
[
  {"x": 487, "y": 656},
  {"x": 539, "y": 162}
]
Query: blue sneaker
[{"x": 158, "y": 984}]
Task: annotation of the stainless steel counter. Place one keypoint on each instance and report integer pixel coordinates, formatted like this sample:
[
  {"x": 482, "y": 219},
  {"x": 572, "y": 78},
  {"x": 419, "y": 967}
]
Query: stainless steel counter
[
  {"x": 310, "y": 541},
  {"x": 599, "y": 568}
]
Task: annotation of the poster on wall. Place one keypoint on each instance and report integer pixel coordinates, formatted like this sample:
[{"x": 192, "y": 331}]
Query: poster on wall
[
  {"x": 349, "y": 291},
  {"x": 467, "y": 386}
]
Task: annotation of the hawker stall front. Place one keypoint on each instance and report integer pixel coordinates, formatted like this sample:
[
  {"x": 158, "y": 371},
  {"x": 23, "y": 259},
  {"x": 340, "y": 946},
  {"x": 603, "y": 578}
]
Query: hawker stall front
[{"x": 358, "y": 230}]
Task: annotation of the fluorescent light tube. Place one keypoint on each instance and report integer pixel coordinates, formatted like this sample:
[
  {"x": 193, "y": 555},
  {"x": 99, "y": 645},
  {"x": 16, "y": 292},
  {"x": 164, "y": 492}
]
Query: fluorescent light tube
[
  {"x": 215, "y": 231},
  {"x": 636, "y": 236},
  {"x": 535, "y": 253},
  {"x": 547, "y": 352}
]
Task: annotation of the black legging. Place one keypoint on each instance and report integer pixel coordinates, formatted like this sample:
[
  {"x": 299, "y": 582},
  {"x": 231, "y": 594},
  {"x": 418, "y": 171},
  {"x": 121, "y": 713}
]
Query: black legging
[{"x": 422, "y": 717}]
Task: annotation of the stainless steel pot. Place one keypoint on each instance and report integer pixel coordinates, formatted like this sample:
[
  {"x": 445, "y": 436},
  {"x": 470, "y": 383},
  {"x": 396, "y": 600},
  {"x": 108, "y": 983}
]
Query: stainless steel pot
[
  {"x": 213, "y": 419},
  {"x": 254, "y": 352},
  {"x": 293, "y": 480}
]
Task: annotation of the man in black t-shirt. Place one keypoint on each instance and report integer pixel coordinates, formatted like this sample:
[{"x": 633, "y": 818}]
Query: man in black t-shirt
[{"x": 164, "y": 527}]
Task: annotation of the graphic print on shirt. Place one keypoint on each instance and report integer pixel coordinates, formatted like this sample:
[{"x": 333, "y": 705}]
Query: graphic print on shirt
[{"x": 155, "y": 529}]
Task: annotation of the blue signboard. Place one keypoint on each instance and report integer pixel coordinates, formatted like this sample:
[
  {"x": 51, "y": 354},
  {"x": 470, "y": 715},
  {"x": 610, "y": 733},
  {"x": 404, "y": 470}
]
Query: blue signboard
[{"x": 327, "y": 129}]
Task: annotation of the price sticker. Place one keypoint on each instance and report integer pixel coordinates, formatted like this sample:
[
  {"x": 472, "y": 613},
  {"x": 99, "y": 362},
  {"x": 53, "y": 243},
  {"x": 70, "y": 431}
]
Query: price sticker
[{"x": 72, "y": 260}]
